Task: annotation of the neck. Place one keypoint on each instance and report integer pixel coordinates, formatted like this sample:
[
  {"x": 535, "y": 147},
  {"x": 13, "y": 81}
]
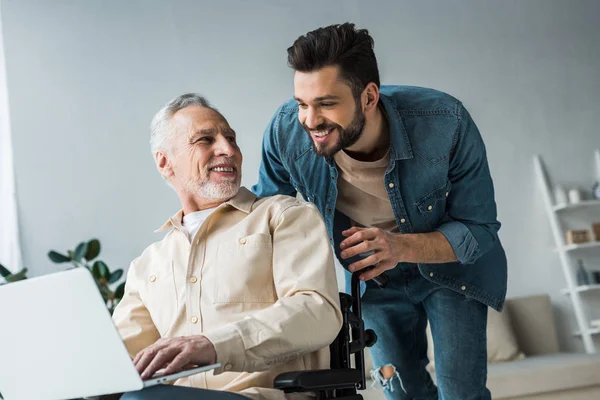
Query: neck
[
  {"x": 191, "y": 203},
  {"x": 375, "y": 139}
]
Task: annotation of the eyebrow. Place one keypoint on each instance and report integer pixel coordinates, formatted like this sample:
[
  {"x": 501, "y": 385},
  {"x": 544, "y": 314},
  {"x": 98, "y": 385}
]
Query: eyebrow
[
  {"x": 211, "y": 131},
  {"x": 326, "y": 97}
]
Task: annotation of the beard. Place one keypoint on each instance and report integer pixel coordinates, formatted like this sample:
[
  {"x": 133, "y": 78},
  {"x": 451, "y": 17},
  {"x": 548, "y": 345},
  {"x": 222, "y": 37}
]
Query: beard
[
  {"x": 346, "y": 137},
  {"x": 203, "y": 187}
]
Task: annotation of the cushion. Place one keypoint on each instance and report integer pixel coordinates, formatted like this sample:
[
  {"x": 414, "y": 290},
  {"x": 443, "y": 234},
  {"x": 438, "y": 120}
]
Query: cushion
[{"x": 543, "y": 374}]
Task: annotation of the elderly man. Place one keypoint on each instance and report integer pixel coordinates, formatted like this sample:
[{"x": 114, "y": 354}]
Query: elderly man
[{"x": 245, "y": 282}]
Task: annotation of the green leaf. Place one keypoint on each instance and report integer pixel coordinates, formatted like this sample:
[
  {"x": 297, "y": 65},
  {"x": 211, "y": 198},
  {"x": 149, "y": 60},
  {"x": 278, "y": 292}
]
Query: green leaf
[
  {"x": 93, "y": 249},
  {"x": 115, "y": 276},
  {"x": 80, "y": 251},
  {"x": 4, "y": 272},
  {"x": 57, "y": 257},
  {"x": 19, "y": 276},
  {"x": 100, "y": 270},
  {"x": 120, "y": 291}
]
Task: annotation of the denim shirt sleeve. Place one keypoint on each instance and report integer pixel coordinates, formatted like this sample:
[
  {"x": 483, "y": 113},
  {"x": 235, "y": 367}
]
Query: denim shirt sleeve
[
  {"x": 472, "y": 227},
  {"x": 273, "y": 178}
]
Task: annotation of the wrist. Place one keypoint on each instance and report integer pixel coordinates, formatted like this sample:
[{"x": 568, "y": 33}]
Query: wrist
[
  {"x": 207, "y": 353},
  {"x": 402, "y": 249}
]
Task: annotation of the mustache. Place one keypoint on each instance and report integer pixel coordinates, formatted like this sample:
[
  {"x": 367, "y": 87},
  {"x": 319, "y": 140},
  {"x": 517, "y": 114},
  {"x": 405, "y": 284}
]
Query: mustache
[{"x": 224, "y": 160}]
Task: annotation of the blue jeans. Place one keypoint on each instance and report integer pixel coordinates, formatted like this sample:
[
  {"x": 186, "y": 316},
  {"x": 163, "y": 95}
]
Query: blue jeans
[{"x": 398, "y": 314}]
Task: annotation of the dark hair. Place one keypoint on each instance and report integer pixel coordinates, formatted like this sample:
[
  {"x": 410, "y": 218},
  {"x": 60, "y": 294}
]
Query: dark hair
[{"x": 337, "y": 45}]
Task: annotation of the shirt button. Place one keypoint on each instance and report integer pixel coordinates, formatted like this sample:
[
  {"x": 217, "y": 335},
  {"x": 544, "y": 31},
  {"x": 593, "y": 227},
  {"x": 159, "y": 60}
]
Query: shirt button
[
  {"x": 402, "y": 220},
  {"x": 193, "y": 279},
  {"x": 243, "y": 241},
  {"x": 431, "y": 274},
  {"x": 194, "y": 320},
  {"x": 447, "y": 194},
  {"x": 391, "y": 185},
  {"x": 152, "y": 278},
  {"x": 430, "y": 208},
  {"x": 463, "y": 288},
  {"x": 328, "y": 210},
  {"x": 228, "y": 367}
]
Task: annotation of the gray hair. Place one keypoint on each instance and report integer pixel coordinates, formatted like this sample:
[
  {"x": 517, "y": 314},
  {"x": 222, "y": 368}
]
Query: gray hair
[{"x": 160, "y": 127}]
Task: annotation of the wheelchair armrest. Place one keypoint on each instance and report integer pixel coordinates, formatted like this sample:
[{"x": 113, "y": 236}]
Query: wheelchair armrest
[{"x": 325, "y": 379}]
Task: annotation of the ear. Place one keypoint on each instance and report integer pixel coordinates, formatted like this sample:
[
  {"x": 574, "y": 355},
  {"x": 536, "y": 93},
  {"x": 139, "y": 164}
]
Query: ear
[
  {"x": 370, "y": 97},
  {"x": 163, "y": 164}
]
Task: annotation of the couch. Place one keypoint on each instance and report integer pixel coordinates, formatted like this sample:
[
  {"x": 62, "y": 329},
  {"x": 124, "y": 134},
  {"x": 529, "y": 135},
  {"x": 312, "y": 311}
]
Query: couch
[{"x": 545, "y": 373}]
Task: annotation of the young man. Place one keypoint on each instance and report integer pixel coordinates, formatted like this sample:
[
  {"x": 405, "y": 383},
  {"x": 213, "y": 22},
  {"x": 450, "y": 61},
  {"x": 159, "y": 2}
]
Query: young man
[
  {"x": 245, "y": 282},
  {"x": 401, "y": 178}
]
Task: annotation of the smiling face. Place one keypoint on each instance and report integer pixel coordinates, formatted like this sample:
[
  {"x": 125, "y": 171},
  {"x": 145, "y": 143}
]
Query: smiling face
[
  {"x": 328, "y": 111},
  {"x": 205, "y": 160}
]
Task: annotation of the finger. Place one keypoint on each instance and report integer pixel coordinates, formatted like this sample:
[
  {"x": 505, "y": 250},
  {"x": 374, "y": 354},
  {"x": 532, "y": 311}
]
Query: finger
[
  {"x": 180, "y": 362},
  {"x": 351, "y": 231},
  {"x": 362, "y": 247},
  {"x": 162, "y": 358},
  {"x": 373, "y": 259},
  {"x": 357, "y": 237},
  {"x": 144, "y": 358},
  {"x": 138, "y": 356},
  {"x": 378, "y": 270}
]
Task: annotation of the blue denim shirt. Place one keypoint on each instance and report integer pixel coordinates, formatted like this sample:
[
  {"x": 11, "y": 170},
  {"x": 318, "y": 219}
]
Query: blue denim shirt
[{"x": 438, "y": 179}]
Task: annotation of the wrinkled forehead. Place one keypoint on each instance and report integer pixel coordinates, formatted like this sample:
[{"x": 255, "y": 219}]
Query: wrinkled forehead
[{"x": 195, "y": 119}]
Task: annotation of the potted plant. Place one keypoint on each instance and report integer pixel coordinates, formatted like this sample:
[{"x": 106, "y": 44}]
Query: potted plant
[
  {"x": 82, "y": 256},
  {"x": 8, "y": 277}
]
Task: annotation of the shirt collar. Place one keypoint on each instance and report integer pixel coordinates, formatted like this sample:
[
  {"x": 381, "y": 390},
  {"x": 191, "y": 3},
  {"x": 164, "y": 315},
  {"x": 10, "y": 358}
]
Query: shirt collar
[
  {"x": 242, "y": 201},
  {"x": 398, "y": 135}
]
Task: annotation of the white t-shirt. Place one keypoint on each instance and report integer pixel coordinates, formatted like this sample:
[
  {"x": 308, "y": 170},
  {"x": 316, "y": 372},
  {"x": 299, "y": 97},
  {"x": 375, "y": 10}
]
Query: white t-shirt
[{"x": 192, "y": 221}]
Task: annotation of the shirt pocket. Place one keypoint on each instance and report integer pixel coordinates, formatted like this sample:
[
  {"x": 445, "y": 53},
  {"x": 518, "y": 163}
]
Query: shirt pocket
[
  {"x": 245, "y": 270},
  {"x": 161, "y": 297},
  {"x": 433, "y": 206}
]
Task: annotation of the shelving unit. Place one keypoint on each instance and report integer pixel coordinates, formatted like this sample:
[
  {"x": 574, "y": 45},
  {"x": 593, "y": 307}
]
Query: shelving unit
[
  {"x": 564, "y": 252},
  {"x": 581, "y": 289}
]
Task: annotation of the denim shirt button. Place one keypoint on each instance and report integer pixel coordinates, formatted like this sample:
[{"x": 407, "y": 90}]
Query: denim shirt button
[
  {"x": 463, "y": 288},
  {"x": 430, "y": 208},
  {"x": 431, "y": 274},
  {"x": 402, "y": 220},
  {"x": 391, "y": 185}
]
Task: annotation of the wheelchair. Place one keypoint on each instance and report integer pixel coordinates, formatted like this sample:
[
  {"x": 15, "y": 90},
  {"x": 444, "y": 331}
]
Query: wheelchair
[{"x": 347, "y": 373}]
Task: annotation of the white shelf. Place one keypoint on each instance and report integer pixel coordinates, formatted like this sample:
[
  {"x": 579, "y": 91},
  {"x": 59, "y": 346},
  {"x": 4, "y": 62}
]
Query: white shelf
[
  {"x": 584, "y": 288},
  {"x": 582, "y": 204},
  {"x": 589, "y": 331},
  {"x": 556, "y": 214},
  {"x": 589, "y": 245}
]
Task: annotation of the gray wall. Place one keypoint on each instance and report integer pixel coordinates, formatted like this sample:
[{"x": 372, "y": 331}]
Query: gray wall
[{"x": 85, "y": 77}]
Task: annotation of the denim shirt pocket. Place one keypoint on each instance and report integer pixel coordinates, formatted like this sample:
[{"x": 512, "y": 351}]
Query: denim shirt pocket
[{"x": 433, "y": 206}]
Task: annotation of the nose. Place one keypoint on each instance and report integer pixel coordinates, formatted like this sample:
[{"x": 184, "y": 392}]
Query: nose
[
  {"x": 224, "y": 147},
  {"x": 312, "y": 118}
]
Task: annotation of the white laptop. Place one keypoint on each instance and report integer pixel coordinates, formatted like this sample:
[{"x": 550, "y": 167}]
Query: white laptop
[{"x": 58, "y": 341}]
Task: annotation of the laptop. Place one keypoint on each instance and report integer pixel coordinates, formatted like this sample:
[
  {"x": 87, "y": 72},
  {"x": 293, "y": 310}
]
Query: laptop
[{"x": 58, "y": 341}]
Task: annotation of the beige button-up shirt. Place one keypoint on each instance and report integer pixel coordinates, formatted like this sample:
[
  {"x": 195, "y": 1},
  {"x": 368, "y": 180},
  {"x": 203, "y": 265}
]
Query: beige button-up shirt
[{"x": 258, "y": 281}]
